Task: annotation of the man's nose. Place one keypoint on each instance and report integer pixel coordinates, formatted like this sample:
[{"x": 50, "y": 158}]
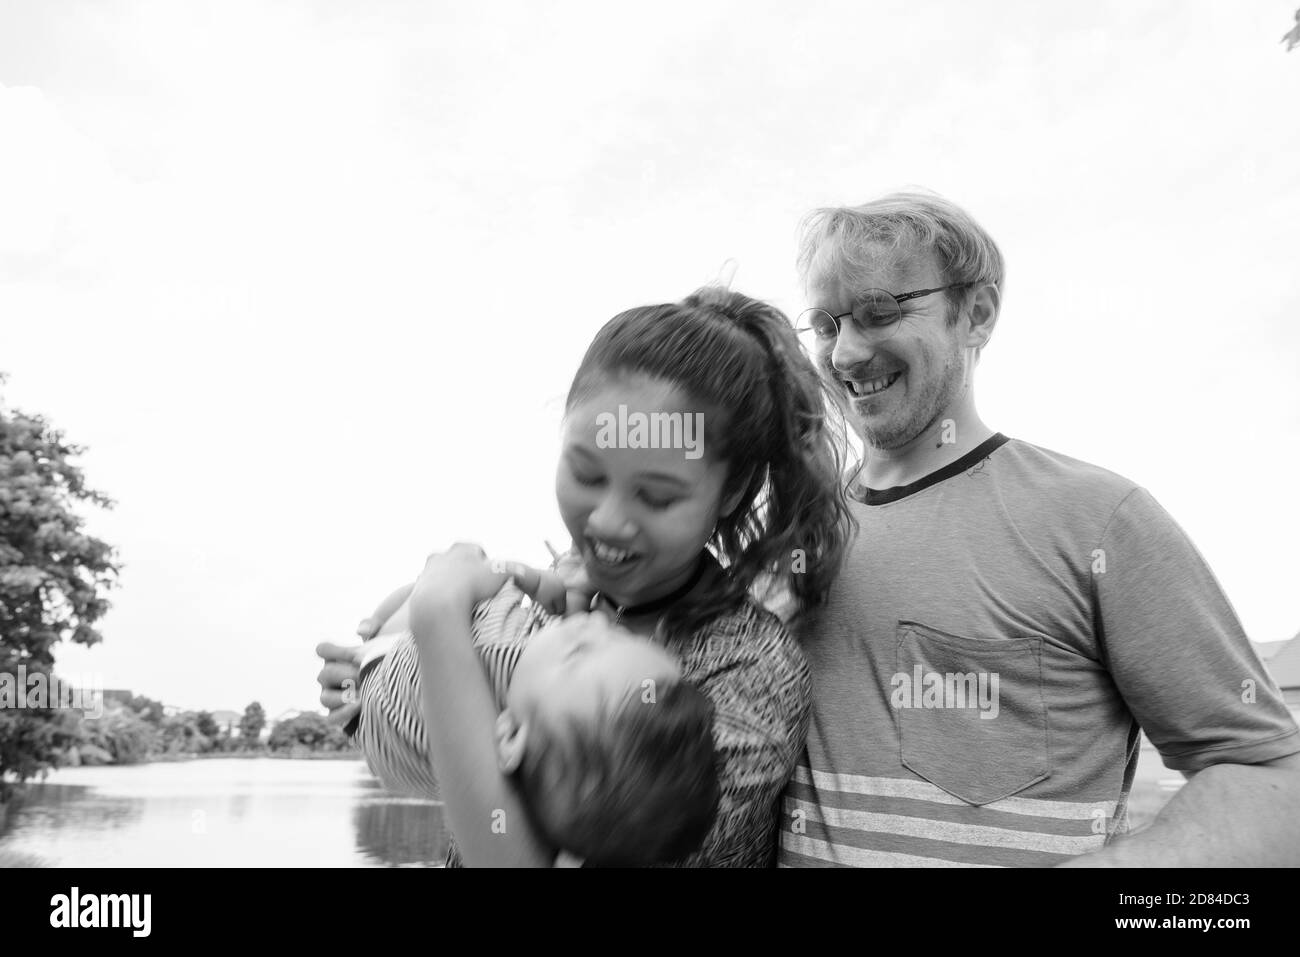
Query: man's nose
[
  {"x": 609, "y": 520},
  {"x": 852, "y": 348}
]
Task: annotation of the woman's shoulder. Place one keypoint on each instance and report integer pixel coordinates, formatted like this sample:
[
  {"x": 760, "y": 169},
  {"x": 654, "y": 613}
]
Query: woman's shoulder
[
  {"x": 748, "y": 642},
  {"x": 749, "y": 622}
]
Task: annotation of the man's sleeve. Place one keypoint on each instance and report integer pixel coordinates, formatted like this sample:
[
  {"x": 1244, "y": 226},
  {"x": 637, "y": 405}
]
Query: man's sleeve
[{"x": 1177, "y": 651}]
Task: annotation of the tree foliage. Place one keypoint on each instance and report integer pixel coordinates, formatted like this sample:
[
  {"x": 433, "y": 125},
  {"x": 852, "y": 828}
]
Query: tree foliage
[
  {"x": 308, "y": 731},
  {"x": 251, "y": 724},
  {"x": 148, "y": 709},
  {"x": 53, "y": 577},
  {"x": 121, "y": 736}
]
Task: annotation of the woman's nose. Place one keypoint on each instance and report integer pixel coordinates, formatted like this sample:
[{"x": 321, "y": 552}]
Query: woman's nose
[{"x": 609, "y": 521}]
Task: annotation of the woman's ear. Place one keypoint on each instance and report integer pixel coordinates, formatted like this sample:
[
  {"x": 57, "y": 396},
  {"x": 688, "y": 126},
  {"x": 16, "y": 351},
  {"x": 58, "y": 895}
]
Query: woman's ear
[{"x": 511, "y": 737}]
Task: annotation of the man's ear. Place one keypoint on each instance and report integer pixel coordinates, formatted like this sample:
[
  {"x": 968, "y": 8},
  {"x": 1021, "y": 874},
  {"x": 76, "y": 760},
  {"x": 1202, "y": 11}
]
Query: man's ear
[
  {"x": 983, "y": 315},
  {"x": 511, "y": 737}
]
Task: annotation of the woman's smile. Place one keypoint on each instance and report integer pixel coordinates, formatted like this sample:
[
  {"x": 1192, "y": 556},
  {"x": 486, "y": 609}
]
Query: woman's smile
[
  {"x": 609, "y": 567},
  {"x": 641, "y": 516}
]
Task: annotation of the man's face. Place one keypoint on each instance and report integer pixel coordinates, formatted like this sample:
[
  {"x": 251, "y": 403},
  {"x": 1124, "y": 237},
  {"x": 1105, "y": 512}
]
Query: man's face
[{"x": 895, "y": 386}]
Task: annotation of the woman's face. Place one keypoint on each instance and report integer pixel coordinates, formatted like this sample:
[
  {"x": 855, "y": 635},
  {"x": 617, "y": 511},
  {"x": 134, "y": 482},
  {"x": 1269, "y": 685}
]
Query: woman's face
[{"x": 640, "y": 516}]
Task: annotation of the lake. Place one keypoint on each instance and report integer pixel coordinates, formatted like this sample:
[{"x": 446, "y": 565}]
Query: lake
[
  {"x": 222, "y": 812},
  {"x": 269, "y": 812}
]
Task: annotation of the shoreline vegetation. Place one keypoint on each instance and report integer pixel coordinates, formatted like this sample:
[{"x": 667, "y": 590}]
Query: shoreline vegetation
[
  {"x": 293, "y": 754},
  {"x": 139, "y": 730},
  {"x": 54, "y": 583}
]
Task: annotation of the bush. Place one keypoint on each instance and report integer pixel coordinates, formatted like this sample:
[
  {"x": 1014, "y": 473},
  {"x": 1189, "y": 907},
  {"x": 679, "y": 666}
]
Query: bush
[
  {"x": 123, "y": 733},
  {"x": 310, "y": 731}
]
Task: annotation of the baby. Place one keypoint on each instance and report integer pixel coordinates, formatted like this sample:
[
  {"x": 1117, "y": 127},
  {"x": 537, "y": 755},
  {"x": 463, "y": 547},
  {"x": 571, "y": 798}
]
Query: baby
[{"x": 612, "y": 751}]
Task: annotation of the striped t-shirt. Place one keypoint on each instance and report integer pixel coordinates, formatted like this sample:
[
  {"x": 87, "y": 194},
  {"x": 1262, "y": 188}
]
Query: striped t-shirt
[
  {"x": 390, "y": 733},
  {"x": 1000, "y": 632},
  {"x": 744, "y": 661}
]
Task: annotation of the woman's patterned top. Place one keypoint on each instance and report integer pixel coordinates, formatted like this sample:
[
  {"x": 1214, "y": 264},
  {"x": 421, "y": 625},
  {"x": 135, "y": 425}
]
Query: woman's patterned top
[{"x": 745, "y": 661}]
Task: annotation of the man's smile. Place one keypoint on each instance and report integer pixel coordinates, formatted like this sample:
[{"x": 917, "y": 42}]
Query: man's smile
[{"x": 866, "y": 387}]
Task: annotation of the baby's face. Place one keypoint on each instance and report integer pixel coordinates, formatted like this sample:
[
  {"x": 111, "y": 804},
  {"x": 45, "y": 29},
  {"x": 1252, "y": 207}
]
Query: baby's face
[{"x": 577, "y": 665}]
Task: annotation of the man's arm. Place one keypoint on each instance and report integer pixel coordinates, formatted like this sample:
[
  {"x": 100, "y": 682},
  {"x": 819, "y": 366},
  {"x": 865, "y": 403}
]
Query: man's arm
[
  {"x": 1228, "y": 815},
  {"x": 1181, "y": 660}
]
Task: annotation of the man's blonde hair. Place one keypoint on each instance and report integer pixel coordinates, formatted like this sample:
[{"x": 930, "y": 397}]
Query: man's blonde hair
[{"x": 843, "y": 242}]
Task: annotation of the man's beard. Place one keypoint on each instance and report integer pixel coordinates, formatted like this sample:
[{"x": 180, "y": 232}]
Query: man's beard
[{"x": 917, "y": 416}]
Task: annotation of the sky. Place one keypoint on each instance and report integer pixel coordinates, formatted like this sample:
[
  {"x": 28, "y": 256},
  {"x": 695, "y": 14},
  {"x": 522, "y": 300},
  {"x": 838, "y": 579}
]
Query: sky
[{"x": 309, "y": 279}]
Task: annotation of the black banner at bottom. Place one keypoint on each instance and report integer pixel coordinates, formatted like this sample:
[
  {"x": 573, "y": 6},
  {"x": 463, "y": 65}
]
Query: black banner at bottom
[{"x": 335, "y": 908}]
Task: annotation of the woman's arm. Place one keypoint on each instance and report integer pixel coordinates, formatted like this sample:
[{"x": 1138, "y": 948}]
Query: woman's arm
[
  {"x": 483, "y": 809},
  {"x": 761, "y": 691}
]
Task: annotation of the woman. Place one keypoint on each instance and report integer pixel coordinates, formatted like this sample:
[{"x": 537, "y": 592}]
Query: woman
[{"x": 674, "y": 546}]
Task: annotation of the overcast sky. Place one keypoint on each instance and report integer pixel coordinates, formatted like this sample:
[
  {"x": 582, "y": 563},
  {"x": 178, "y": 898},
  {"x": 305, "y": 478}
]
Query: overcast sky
[{"x": 310, "y": 279}]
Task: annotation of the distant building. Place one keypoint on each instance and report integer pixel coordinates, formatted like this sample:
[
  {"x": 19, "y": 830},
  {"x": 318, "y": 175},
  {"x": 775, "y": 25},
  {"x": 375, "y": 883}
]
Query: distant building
[
  {"x": 228, "y": 721},
  {"x": 1284, "y": 666},
  {"x": 1282, "y": 661},
  {"x": 1267, "y": 649}
]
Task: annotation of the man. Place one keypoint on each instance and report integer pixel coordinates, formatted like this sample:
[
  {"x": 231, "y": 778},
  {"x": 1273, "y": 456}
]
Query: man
[{"x": 1008, "y": 618}]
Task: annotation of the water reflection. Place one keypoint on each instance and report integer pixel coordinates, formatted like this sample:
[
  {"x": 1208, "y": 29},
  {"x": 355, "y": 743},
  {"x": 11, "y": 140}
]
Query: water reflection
[
  {"x": 76, "y": 805},
  {"x": 222, "y": 813},
  {"x": 401, "y": 834}
]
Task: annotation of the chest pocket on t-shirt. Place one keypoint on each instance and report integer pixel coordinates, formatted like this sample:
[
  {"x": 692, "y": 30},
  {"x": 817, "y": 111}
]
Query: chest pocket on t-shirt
[{"x": 970, "y": 712}]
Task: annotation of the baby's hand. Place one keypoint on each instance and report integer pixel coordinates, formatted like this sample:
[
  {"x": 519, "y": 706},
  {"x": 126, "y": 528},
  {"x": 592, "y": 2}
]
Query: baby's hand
[
  {"x": 562, "y": 590},
  {"x": 542, "y": 586},
  {"x": 578, "y": 588}
]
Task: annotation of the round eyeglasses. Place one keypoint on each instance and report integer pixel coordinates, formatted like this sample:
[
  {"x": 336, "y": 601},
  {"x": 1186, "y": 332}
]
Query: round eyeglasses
[{"x": 875, "y": 314}]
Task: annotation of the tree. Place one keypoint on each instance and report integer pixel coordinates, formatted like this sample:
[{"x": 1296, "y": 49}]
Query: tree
[
  {"x": 181, "y": 735},
  {"x": 147, "y": 708},
  {"x": 53, "y": 577},
  {"x": 251, "y": 724},
  {"x": 125, "y": 735},
  {"x": 308, "y": 730},
  {"x": 206, "y": 724}
]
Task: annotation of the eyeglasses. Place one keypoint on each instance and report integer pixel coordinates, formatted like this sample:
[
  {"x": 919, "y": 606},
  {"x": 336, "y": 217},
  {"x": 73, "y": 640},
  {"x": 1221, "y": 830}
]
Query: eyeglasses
[{"x": 875, "y": 314}]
